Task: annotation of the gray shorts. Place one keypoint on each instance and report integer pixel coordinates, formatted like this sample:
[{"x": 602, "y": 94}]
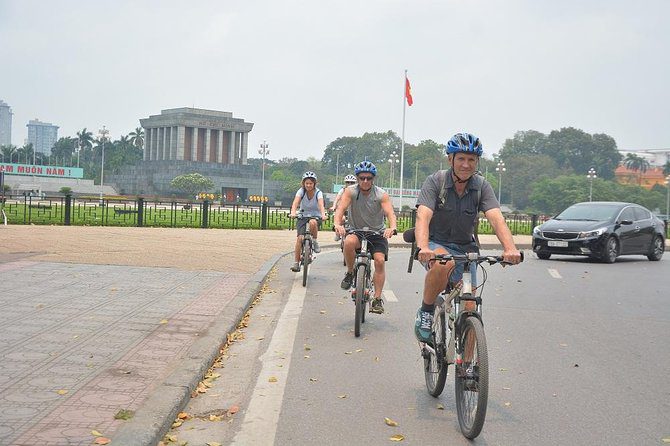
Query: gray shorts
[
  {"x": 301, "y": 225},
  {"x": 457, "y": 273}
]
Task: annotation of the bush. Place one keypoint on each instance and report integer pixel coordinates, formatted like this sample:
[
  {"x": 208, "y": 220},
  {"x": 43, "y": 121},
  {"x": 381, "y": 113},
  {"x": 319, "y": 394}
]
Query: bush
[{"x": 65, "y": 190}]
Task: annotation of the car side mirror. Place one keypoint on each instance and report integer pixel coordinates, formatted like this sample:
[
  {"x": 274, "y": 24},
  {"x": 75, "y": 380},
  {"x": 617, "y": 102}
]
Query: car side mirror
[{"x": 626, "y": 222}]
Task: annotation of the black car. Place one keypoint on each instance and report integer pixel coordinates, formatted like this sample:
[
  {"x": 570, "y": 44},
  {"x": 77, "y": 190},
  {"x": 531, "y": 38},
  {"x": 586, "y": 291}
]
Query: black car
[{"x": 602, "y": 230}]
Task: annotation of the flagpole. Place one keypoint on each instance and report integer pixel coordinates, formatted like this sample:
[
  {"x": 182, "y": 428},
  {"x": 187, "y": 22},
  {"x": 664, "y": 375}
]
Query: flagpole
[{"x": 402, "y": 141}]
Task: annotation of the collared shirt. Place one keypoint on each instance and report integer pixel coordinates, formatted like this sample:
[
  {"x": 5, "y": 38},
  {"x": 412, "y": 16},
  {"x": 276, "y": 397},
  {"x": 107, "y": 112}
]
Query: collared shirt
[{"x": 455, "y": 222}]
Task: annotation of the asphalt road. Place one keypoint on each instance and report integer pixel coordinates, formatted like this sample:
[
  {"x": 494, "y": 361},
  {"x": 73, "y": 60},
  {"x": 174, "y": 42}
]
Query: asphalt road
[{"x": 578, "y": 354}]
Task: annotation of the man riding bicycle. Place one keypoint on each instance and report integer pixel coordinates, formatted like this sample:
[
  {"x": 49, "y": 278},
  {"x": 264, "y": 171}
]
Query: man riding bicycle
[
  {"x": 447, "y": 211},
  {"x": 349, "y": 180},
  {"x": 310, "y": 200},
  {"x": 367, "y": 205}
]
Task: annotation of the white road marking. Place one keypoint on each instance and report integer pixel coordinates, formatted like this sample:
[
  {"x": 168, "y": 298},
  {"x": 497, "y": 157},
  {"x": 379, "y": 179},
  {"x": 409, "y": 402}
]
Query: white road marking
[
  {"x": 389, "y": 295},
  {"x": 554, "y": 273},
  {"x": 262, "y": 416}
]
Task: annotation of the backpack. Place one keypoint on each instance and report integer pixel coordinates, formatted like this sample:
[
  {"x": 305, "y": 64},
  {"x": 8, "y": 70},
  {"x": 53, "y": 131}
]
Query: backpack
[{"x": 442, "y": 196}]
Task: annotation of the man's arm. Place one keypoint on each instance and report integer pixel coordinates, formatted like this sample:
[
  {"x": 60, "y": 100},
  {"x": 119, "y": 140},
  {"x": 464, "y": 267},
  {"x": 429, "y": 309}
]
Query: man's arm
[
  {"x": 387, "y": 207},
  {"x": 510, "y": 252},
  {"x": 338, "y": 220},
  {"x": 337, "y": 199},
  {"x": 423, "y": 216}
]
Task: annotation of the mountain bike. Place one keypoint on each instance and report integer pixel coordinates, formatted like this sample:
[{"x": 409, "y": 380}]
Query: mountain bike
[
  {"x": 458, "y": 338},
  {"x": 364, "y": 286},
  {"x": 307, "y": 250}
]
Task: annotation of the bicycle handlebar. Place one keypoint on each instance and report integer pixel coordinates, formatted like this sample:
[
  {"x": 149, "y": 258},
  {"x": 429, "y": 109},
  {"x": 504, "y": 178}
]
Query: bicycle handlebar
[
  {"x": 369, "y": 232},
  {"x": 471, "y": 257}
]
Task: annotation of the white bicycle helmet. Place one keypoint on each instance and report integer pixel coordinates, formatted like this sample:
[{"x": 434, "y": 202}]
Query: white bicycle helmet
[
  {"x": 350, "y": 179},
  {"x": 309, "y": 174}
]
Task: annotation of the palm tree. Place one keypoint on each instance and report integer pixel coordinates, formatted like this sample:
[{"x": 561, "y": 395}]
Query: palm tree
[
  {"x": 137, "y": 137},
  {"x": 666, "y": 168},
  {"x": 636, "y": 164},
  {"x": 7, "y": 153}
]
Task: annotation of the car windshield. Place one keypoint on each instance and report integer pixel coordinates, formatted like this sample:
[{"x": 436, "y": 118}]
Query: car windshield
[{"x": 591, "y": 212}]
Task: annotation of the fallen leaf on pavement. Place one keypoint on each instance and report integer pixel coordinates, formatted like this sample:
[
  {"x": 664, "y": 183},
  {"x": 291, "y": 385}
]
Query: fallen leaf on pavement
[
  {"x": 183, "y": 416},
  {"x": 507, "y": 404},
  {"x": 313, "y": 380},
  {"x": 102, "y": 440},
  {"x": 440, "y": 406},
  {"x": 164, "y": 321},
  {"x": 272, "y": 379},
  {"x": 124, "y": 414},
  {"x": 507, "y": 388},
  {"x": 344, "y": 395},
  {"x": 390, "y": 422},
  {"x": 348, "y": 353},
  {"x": 177, "y": 423},
  {"x": 62, "y": 392},
  {"x": 213, "y": 443},
  {"x": 322, "y": 311},
  {"x": 214, "y": 418},
  {"x": 503, "y": 370},
  {"x": 397, "y": 437},
  {"x": 233, "y": 410},
  {"x": 96, "y": 433},
  {"x": 358, "y": 350},
  {"x": 307, "y": 347}
]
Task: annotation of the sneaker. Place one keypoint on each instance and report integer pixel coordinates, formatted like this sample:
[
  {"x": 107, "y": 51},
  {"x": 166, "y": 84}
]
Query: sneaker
[
  {"x": 422, "y": 325},
  {"x": 377, "y": 306},
  {"x": 296, "y": 267},
  {"x": 346, "y": 282},
  {"x": 317, "y": 248}
]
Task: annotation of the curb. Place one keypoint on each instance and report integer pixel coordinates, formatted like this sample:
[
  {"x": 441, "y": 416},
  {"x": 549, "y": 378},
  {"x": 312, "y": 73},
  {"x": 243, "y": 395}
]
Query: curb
[{"x": 157, "y": 413}]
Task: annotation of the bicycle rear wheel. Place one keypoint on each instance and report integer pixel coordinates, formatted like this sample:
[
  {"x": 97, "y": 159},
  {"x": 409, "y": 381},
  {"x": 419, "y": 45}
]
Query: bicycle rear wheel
[
  {"x": 472, "y": 387},
  {"x": 306, "y": 258},
  {"x": 434, "y": 362},
  {"x": 359, "y": 299}
]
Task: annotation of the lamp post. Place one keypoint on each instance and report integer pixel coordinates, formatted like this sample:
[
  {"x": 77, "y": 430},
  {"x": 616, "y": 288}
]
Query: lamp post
[
  {"x": 591, "y": 175},
  {"x": 102, "y": 135},
  {"x": 393, "y": 158},
  {"x": 500, "y": 168},
  {"x": 263, "y": 151},
  {"x": 667, "y": 199}
]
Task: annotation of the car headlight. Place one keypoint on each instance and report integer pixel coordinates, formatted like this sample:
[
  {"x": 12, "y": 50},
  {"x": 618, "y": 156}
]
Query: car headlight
[
  {"x": 537, "y": 231},
  {"x": 588, "y": 234}
]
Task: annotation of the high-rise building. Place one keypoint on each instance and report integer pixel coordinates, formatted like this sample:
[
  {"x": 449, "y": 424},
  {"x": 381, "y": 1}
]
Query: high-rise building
[
  {"x": 42, "y": 135},
  {"x": 5, "y": 124}
]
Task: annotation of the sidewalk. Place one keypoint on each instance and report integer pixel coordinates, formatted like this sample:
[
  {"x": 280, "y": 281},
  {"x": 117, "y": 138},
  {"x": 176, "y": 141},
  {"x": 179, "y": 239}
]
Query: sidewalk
[{"x": 100, "y": 319}]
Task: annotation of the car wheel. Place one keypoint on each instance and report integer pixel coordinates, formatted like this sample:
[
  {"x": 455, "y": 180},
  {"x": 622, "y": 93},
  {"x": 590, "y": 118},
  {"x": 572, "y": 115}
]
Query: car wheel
[
  {"x": 543, "y": 255},
  {"x": 610, "y": 250},
  {"x": 657, "y": 248}
]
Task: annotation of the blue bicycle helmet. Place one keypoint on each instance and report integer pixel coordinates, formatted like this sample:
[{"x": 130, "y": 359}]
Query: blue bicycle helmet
[
  {"x": 365, "y": 166},
  {"x": 465, "y": 143}
]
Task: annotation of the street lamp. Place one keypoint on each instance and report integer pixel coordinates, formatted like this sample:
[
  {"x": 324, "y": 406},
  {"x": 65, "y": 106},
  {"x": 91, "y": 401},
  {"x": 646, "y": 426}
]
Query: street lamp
[
  {"x": 263, "y": 151},
  {"x": 393, "y": 158},
  {"x": 102, "y": 135},
  {"x": 591, "y": 175},
  {"x": 500, "y": 168}
]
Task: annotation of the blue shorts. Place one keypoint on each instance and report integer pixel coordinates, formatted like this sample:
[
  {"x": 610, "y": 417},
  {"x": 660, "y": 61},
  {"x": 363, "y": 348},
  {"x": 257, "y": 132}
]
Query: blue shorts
[{"x": 457, "y": 273}]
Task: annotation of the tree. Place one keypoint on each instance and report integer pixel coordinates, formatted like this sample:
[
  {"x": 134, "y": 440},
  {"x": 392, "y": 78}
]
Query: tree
[
  {"x": 63, "y": 149},
  {"x": 137, "y": 137},
  {"x": 666, "y": 168},
  {"x": 192, "y": 183},
  {"x": 636, "y": 164},
  {"x": 7, "y": 153}
]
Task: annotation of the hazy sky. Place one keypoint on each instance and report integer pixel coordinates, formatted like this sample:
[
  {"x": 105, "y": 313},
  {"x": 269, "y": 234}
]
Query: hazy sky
[{"x": 307, "y": 72}]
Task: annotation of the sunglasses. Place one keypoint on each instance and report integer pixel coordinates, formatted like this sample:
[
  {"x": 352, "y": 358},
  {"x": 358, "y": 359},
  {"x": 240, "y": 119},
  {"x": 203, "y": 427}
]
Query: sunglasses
[{"x": 370, "y": 178}]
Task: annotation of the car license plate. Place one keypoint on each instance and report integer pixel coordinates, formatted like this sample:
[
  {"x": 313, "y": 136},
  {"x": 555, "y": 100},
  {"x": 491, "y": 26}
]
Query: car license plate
[{"x": 557, "y": 243}]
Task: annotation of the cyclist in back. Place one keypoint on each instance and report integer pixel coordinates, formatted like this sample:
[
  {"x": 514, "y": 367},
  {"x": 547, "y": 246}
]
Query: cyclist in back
[
  {"x": 368, "y": 205},
  {"x": 349, "y": 180},
  {"x": 309, "y": 201},
  {"x": 447, "y": 210}
]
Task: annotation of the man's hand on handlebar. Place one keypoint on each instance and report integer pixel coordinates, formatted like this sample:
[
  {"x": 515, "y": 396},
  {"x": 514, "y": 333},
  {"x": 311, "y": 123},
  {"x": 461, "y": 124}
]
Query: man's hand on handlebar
[
  {"x": 340, "y": 230},
  {"x": 426, "y": 254},
  {"x": 388, "y": 232},
  {"x": 512, "y": 256}
]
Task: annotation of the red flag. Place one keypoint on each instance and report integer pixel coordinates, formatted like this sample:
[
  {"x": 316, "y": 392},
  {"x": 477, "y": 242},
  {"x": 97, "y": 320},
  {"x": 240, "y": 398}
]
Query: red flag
[{"x": 408, "y": 92}]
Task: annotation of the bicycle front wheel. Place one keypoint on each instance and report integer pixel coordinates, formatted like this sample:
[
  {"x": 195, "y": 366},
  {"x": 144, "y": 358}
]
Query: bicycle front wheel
[
  {"x": 359, "y": 299},
  {"x": 472, "y": 379},
  {"x": 306, "y": 258},
  {"x": 434, "y": 361}
]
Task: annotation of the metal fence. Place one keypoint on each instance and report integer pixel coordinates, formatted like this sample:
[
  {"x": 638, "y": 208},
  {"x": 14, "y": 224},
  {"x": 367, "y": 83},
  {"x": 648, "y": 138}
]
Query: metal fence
[{"x": 91, "y": 211}]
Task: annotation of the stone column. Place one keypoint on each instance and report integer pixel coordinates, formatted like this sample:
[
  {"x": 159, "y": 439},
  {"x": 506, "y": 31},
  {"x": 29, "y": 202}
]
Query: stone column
[
  {"x": 180, "y": 135},
  {"x": 245, "y": 142},
  {"x": 154, "y": 143},
  {"x": 147, "y": 144},
  {"x": 161, "y": 142},
  {"x": 208, "y": 136},
  {"x": 231, "y": 147},
  {"x": 219, "y": 147},
  {"x": 238, "y": 148},
  {"x": 173, "y": 143}
]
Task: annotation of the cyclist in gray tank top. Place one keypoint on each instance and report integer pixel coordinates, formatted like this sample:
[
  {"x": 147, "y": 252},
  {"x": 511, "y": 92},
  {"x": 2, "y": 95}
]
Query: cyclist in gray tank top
[{"x": 367, "y": 205}]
